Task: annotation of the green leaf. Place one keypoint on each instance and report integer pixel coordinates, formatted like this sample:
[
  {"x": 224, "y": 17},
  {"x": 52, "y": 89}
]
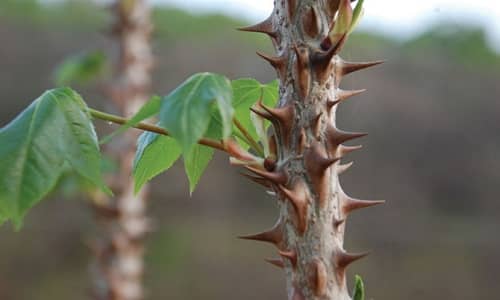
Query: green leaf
[
  {"x": 81, "y": 68},
  {"x": 151, "y": 108},
  {"x": 359, "y": 289},
  {"x": 155, "y": 154},
  {"x": 53, "y": 131},
  {"x": 186, "y": 112},
  {"x": 195, "y": 164},
  {"x": 246, "y": 92},
  {"x": 356, "y": 15}
]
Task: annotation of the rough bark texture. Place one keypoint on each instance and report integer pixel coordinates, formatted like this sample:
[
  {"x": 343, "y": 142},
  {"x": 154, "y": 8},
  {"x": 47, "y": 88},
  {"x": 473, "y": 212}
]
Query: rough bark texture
[
  {"x": 309, "y": 234},
  {"x": 119, "y": 269}
]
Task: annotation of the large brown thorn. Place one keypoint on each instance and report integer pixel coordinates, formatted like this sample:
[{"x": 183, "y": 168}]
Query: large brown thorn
[
  {"x": 321, "y": 60},
  {"x": 343, "y": 259},
  {"x": 335, "y": 136},
  {"x": 298, "y": 197},
  {"x": 265, "y": 26},
  {"x": 278, "y": 62},
  {"x": 278, "y": 262},
  {"x": 302, "y": 70},
  {"x": 350, "y": 204},
  {"x": 273, "y": 236},
  {"x": 346, "y": 67},
  {"x": 276, "y": 177}
]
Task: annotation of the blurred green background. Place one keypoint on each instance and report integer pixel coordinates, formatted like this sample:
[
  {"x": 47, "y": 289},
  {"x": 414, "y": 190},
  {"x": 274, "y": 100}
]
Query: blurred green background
[{"x": 433, "y": 114}]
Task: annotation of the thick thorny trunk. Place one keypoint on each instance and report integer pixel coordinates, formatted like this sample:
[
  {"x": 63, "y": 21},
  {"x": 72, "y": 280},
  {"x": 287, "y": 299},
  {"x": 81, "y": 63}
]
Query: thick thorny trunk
[
  {"x": 309, "y": 234},
  {"x": 119, "y": 268}
]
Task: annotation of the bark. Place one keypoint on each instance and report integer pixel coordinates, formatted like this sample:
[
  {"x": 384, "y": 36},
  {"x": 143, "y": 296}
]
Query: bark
[
  {"x": 119, "y": 268},
  {"x": 309, "y": 234}
]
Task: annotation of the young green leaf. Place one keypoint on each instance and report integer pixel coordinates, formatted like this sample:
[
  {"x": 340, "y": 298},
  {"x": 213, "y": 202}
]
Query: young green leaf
[
  {"x": 359, "y": 289},
  {"x": 155, "y": 154},
  {"x": 186, "y": 112},
  {"x": 81, "y": 68},
  {"x": 357, "y": 15},
  {"x": 55, "y": 129},
  {"x": 151, "y": 108},
  {"x": 195, "y": 164},
  {"x": 246, "y": 92}
]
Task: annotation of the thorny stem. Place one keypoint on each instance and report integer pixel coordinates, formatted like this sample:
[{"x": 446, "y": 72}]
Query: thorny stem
[{"x": 151, "y": 128}]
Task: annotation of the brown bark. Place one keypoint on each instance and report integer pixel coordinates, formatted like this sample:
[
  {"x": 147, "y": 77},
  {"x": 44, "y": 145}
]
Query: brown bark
[
  {"x": 313, "y": 208},
  {"x": 119, "y": 268}
]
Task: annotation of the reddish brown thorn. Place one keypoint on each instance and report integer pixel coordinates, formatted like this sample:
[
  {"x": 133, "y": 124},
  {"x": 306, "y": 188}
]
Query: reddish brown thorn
[
  {"x": 263, "y": 114},
  {"x": 291, "y": 255},
  {"x": 344, "y": 150},
  {"x": 316, "y": 126},
  {"x": 302, "y": 70},
  {"x": 344, "y": 167},
  {"x": 278, "y": 63},
  {"x": 273, "y": 236},
  {"x": 265, "y": 26},
  {"x": 337, "y": 223},
  {"x": 342, "y": 260},
  {"x": 310, "y": 22},
  {"x": 282, "y": 119},
  {"x": 350, "y": 204},
  {"x": 303, "y": 144},
  {"x": 335, "y": 136},
  {"x": 346, "y": 94},
  {"x": 322, "y": 59},
  {"x": 276, "y": 177},
  {"x": 278, "y": 262},
  {"x": 319, "y": 277},
  {"x": 346, "y": 67},
  {"x": 298, "y": 197},
  {"x": 259, "y": 180}
]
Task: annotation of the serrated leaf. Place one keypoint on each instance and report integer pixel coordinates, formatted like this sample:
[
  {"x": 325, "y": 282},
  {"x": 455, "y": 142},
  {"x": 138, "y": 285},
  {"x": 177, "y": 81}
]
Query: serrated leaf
[
  {"x": 186, "y": 112},
  {"x": 246, "y": 92},
  {"x": 55, "y": 129},
  {"x": 155, "y": 154},
  {"x": 359, "y": 289},
  {"x": 151, "y": 108},
  {"x": 195, "y": 164},
  {"x": 81, "y": 68}
]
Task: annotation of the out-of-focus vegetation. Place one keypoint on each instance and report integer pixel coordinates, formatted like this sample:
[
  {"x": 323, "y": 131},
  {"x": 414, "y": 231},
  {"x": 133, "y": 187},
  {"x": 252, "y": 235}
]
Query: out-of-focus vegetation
[{"x": 432, "y": 114}]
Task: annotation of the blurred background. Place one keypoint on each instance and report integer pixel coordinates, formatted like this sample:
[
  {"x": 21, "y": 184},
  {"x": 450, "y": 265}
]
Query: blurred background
[{"x": 432, "y": 111}]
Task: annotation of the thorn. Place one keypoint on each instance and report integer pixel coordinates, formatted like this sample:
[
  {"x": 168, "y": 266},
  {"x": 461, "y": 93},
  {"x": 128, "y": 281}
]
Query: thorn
[
  {"x": 310, "y": 22},
  {"x": 278, "y": 62},
  {"x": 343, "y": 150},
  {"x": 344, "y": 167},
  {"x": 322, "y": 60},
  {"x": 265, "y": 26},
  {"x": 235, "y": 150},
  {"x": 346, "y": 94},
  {"x": 331, "y": 103},
  {"x": 277, "y": 177},
  {"x": 316, "y": 126},
  {"x": 337, "y": 223},
  {"x": 281, "y": 117},
  {"x": 291, "y": 255},
  {"x": 335, "y": 136},
  {"x": 259, "y": 180},
  {"x": 350, "y": 204},
  {"x": 316, "y": 163},
  {"x": 298, "y": 198},
  {"x": 319, "y": 278},
  {"x": 302, "y": 69},
  {"x": 346, "y": 67},
  {"x": 278, "y": 262},
  {"x": 273, "y": 235},
  {"x": 344, "y": 259},
  {"x": 303, "y": 141}
]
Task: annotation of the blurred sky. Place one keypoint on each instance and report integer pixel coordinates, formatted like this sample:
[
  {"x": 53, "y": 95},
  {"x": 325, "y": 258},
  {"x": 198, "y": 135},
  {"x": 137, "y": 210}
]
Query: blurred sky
[{"x": 395, "y": 17}]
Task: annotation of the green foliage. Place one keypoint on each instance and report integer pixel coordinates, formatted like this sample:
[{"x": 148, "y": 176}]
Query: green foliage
[
  {"x": 155, "y": 154},
  {"x": 53, "y": 134},
  {"x": 195, "y": 164},
  {"x": 81, "y": 68},
  {"x": 246, "y": 92},
  {"x": 151, "y": 108},
  {"x": 187, "y": 111},
  {"x": 359, "y": 289}
]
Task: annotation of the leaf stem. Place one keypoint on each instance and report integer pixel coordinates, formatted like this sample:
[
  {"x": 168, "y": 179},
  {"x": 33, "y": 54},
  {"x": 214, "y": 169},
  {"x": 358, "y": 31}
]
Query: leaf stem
[
  {"x": 151, "y": 128},
  {"x": 248, "y": 137}
]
